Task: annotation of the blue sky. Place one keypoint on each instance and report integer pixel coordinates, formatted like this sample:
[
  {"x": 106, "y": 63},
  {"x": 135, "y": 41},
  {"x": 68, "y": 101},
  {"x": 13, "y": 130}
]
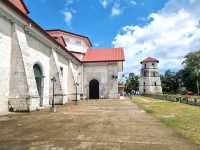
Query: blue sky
[
  {"x": 91, "y": 17},
  {"x": 165, "y": 29}
]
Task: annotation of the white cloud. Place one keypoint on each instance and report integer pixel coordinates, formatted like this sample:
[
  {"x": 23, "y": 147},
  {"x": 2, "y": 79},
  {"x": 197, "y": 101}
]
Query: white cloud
[
  {"x": 116, "y": 10},
  {"x": 169, "y": 36},
  {"x": 69, "y": 2},
  {"x": 96, "y": 44},
  {"x": 104, "y": 3},
  {"x": 117, "y": 6},
  {"x": 133, "y": 2},
  {"x": 68, "y": 17},
  {"x": 69, "y": 11}
]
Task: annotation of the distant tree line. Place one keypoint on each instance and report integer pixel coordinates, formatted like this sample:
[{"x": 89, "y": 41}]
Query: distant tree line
[
  {"x": 182, "y": 81},
  {"x": 186, "y": 79}
]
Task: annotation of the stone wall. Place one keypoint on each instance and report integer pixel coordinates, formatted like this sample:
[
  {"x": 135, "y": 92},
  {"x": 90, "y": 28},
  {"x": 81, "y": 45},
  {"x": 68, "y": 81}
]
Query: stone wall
[
  {"x": 5, "y": 53},
  {"x": 150, "y": 83},
  {"x": 102, "y": 72},
  {"x": 22, "y": 47}
]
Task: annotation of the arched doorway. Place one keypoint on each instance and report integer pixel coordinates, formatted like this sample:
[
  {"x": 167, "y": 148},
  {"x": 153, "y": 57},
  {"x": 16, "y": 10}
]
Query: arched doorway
[
  {"x": 39, "y": 81},
  {"x": 94, "y": 89}
]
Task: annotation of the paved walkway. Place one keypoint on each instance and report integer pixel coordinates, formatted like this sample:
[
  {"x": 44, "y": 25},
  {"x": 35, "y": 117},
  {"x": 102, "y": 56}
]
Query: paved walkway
[{"x": 102, "y": 125}]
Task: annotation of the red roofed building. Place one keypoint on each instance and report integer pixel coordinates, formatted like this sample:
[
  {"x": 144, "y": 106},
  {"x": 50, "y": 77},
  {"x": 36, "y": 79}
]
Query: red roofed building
[
  {"x": 19, "y": 4},
  {"x": 35, "y": 58},
  {"x": 100, "y": 65},
  {"x": 104, "y": 55}
]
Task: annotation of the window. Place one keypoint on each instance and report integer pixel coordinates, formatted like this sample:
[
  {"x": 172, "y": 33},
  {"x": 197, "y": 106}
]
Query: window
[
  {"x": 144, "y": 83},
  {"x": 145, "y": 65},
  {"x": 67, "y": 40},
  {"x": 144, "y": 90},
  {"x": 154, "y": 74},
  {"x": 61, "y": 71},
  {"x": 153, "y": 64},
  {"x": 145, "y": 73},
  {"x": 78, "y": 43},
  {"x": 155, "y": 84}
]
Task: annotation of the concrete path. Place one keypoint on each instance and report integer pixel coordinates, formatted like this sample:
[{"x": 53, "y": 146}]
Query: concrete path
[{"x": 101, "y": 125}]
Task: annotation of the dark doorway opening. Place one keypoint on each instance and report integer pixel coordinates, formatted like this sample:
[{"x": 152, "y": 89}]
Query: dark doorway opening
[
  {"x": 39, "y": 81},
  {"x": 94, "y": 89}
]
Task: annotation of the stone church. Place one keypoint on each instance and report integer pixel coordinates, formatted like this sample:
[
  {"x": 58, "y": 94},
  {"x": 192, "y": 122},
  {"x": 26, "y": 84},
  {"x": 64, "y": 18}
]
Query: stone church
[{"x": 31, "y": 57}]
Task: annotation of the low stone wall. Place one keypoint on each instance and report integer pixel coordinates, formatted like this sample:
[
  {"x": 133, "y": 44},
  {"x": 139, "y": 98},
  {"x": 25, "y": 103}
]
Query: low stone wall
[{"x": 181, "y": 99}]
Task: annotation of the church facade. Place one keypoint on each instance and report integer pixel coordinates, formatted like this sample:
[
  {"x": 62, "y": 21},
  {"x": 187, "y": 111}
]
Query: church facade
[{"x": 32, "y": 57}]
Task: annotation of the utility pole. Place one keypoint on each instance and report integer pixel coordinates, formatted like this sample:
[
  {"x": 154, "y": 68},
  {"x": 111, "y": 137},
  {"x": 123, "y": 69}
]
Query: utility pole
[{"x": 197, "y": 81}]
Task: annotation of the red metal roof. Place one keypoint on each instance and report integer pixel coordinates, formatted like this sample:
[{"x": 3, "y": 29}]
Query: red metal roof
[
  {"x": 61, "y": 41},
  {"x": 20, "y": 5},
  {"x": 104, "y": 55},
  {"x": 59, "y": 32},
  {"x": 149, "y": 59},
  {"x": 78, "y": 55}
]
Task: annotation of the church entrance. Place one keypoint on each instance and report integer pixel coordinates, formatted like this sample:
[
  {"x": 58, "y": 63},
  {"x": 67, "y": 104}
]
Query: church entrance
[
  {"x": 39, "y": 81},
  {"x": 94, "y": 89}
]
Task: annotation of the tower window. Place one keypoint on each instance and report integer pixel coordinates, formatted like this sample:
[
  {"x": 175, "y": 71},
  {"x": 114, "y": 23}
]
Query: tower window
[
  {"x": 144, "y": 83},
  {"x": 145, "y": 65},
  {"x": 155, "y": 84},
  {"x": 145, "y": 73},
  {"x": 153, "y": 64},
  {"x": 154, "y": 74}
]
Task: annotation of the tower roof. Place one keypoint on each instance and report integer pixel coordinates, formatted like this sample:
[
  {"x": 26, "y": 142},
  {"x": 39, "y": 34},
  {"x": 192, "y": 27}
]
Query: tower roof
[{"x": 149, "y": 59}]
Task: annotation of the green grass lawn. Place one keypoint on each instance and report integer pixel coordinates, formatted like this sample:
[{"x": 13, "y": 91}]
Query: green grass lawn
[{"x": 185, "y": 119}]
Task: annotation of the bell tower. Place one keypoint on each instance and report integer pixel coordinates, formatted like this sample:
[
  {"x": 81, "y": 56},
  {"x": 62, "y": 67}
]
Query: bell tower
[{"x": 149, "y": 77}]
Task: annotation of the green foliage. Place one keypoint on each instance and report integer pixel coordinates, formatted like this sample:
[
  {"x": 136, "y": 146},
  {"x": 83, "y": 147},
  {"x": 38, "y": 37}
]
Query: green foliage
[
  {"x": 190, "y": 73},
  {"x": 192, "y": 60},
  {"x": 185, "y": 78},
  {"x": 170, "y": 82},
  {"x": 132, "y": 84},
  {"x": 185, "y": 119}
]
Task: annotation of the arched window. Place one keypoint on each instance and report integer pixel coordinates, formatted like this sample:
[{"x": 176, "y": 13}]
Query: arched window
[{"x": 39, "y": 80}]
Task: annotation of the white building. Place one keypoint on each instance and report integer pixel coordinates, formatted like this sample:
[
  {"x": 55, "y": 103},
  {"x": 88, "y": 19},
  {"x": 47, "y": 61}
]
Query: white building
[
  {"x": 149, "y": 77},
  {"x": 31, "y": 57}
]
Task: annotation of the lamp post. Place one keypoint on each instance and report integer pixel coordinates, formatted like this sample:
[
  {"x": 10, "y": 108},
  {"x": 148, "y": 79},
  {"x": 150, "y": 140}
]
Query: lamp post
[
  {"x": 114, "y": 77},
  {"x": 76, "y": 85},
  {"x": 53, "y": 80}
]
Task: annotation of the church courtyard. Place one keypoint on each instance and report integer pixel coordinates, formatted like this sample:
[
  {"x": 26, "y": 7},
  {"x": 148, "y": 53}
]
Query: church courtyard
[{"x": 102, "y": 124}]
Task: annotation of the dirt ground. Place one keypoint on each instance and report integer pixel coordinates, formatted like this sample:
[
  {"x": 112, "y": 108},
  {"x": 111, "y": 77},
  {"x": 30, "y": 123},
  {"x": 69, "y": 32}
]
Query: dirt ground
[{"x": 91, "y": 125}]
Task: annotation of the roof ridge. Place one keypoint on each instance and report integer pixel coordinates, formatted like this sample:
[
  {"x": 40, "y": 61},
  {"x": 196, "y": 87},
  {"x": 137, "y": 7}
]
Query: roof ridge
[{"x": 75, "y": 34}]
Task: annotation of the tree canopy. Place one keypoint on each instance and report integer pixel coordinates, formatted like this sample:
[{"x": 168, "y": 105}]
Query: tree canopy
[
  {"x": 186, "y": 78},
  {"x": 132, "y": 84}
]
